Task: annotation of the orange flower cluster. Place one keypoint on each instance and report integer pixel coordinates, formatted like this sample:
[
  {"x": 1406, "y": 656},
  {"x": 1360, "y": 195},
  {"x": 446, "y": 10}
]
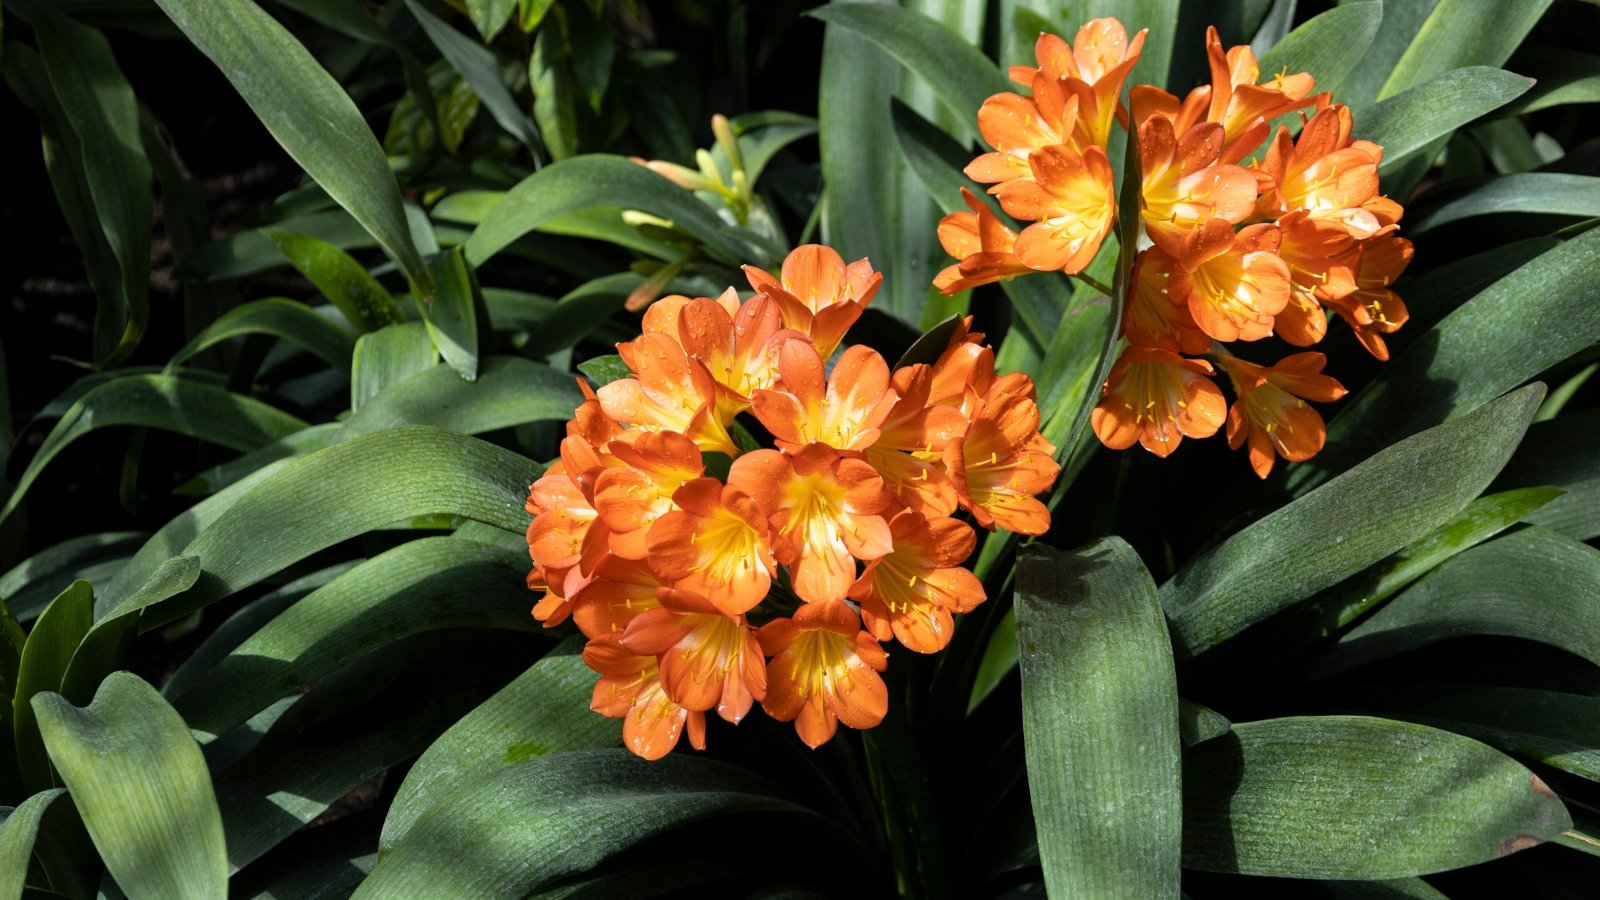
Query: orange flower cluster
[
  {"x": 840, "y": 536},
  {"x": 1242, "y": 244}
]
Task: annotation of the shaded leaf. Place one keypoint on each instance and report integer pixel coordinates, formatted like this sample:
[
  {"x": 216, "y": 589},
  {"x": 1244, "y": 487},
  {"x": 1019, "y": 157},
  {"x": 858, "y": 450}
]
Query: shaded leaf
[
  {"x": 1459, "y": 33},
  {"x": 1356, "y": 798},
  {"x": 1338, "y": 529},
  {"x": 142, "y": 787},
  {"x": 1560, "y": 453},
  {"x": 284, "y": 319},
  {"x": 18, "y": 830},
  {"x": 477, "y": 64},
  {"x": 1524, "y": 192},
  {"x": 1328, "y": 45},
  {"x": 345, "y": 282},
  {"x": 603, "y": 370},
  {"x": 386, "y": 357},
  {"x": 1097, "y": 682},
  {"x": 452, "y": 316},
  {"x": 1410, "y": 122},
  {"x": 61, "y": 627}
]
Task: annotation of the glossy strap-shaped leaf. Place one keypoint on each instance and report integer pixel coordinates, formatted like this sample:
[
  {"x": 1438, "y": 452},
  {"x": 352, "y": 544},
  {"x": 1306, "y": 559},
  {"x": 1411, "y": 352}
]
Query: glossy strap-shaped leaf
[
  {"x": 1407, "y": 123},
  {"x": 477, "y": 64},
  {"x": 423, "y": 585},
  {"x": 1328, "y": 46},
  {"x": 141, "y": 785},
  {"x": 1387, "y": 502},
  {"x": 352, "y": 487},
  {"x": 1486, "y": 347},
  {"x": 18, "y": 831},
  {"x": 452, "y": 314},
  {"x": 307, "y": 112},
  {"x": 1533, "y": 584},
  {"x": 186, "y": 406},
  {"x": 1356, "y": 798},
  {"x": 1097, "y": 682},
  {"x": 510, "y": 391},
  {"x": 599, "y": 180},
  {"x": 45, "y": 657},
  {"x": 546, "y": 710},
  {"x": 347, "y": 284},
  {"x": 1461, "y": 33},
  {"x": 285, "y": 319},
  {"x": 551, "y": 816},
  {"x": 1561, "y": 453}
]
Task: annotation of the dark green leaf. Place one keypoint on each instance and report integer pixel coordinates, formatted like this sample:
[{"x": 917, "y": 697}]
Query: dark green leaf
[
  {"x": 142, "y": 787},
  {"x": 1560, "y": 453},
  {"x": 452, "y": 317},
  {"x": 1356, "y": 798},
  {"x": 477, "y": 64},
  {"x": 42, "y": 573},
  {"x": 598, "y": 180},
  {"x": 1100, "y": 722},
  {"x": 550, "y": 816},
  {"x": 1534, "y": 584},
  {"x": 1399, "y": 495},
  {"x": 1481, "y": 350},
  {"x": 931, "y": 345},
  {"x": 352, "y": 487},
  {"x": 345, "y": 282},
  {"x": 1197, "y": 723},
  {"x": 959, "y": 74},
  {"x": 603, "y": 370},
  {"x": 388, "y": 356},
  {"x": 17, "y": 832},
  {"x": 512, "y": 391},
  {"x": 1329, "y": 45},
  {"x": 1561, "y": 76},
  {"x": 489, "y": 16},
  {"x": 420, "y": 586},
  {"x": 550, "y": 73},
  {"x": 546, "y": 710},
  {"x": 190, "y": 408},
  {"x": 1460, "y": 33},
  {"x": 309, "y": 114},
  {"x": 45, "y": 656},
  {"x": 1407, "y": 123},
  {"x": 1524, "y": 192},
  {"x": 223, "y": 474},
  {"x": 283, "y": 319}
]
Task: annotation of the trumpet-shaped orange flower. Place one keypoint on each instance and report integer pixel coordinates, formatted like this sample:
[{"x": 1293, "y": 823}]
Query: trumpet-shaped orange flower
[
  {"x": 842, "y": 410},
  {"x": 1070, "y": 202},
  {"x": 817, "y": 293},
  {"x": 983, "y": 246},
  {"x": 1017, "y": 127},
  {"x": 910, "y": 593},
  {"x": 1157, "y": 398},
  {"x": 630, "y": 689},
  {"x": 1324, "y": 173},
  {"x": 717, "y": 544},
  {"x": 707, "y": 659},
  {"x": 1152, "y": 318},
  {"x": 1093, "y": 69},
  {"x": 620, "y": 590},
  {"x": 1234, "y": 284},
  {"x": 827, "y": 512},
  {"x": 1271, "y": 413},
  {"x": 1183, "y": 187},
  {"x": 907, "y": 454},
  {"x": 669, "y": 392},
  {"x": 1001, "y": 463},
  {"x": 736, "y": 343},
  {"x": 1311, "y": 249},
  {"x": 824, "y": 671},
  {"x": 632, "y": 496},
  {"x": 1373, "y": 309},
  {"x": 1238, "y": 102}
]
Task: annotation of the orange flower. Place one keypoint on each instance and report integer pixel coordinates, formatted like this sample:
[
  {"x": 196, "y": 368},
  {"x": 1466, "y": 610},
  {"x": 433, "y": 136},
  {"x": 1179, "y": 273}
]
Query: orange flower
[
  {"x": 824, "y": 671},
  {"x": 630, "y": 689},
  {"x": 1271, "y": 412},
  {"x": 907, "y": 452},
  {"x": 1373, "y": 309},
  {"x": 669, "y": 392},
  {"x": 1183, "y": 188},
  {"x": 1238, "y": 102},
  {"x": 1234, "y": 284},
  {"x": 1017, "y": 127},
  {"x": 1151, "y": 317},
  {"x": 910, "y": 593},
  {"x": 717, "y": 544},
  {"x": 817, "y": 293},
  {"x": 1093, "y": 69},
  {"x": 620, "y": 590},
  {"x": 737, "y": 343},
  {"x": 826, "y": 513},
  {"x": 981, "y": 243},
  {"x": 1157, "y": 398},
  {"x": 561, "y": 535},
  {"x": 1325, "y": 174},
  {"x": 632, "y": 496},
  {"x": 1310, "y": 248},
  {"x": 1001, "y": 463},
  {"x": 843, "y": 412},
  {"x": 707, "y": 659},
  {"x": 1071, "y": 202}
]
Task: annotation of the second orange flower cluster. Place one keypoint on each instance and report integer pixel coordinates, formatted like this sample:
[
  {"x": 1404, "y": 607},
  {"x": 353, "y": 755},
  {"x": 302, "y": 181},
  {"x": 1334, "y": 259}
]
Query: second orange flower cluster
[
  {"x": 667, "y": 535},
  {"x": 1239, "y": 249}
]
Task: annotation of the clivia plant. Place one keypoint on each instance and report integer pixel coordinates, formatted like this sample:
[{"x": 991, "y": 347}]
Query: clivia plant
[{"x": 584, "y": 466}]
